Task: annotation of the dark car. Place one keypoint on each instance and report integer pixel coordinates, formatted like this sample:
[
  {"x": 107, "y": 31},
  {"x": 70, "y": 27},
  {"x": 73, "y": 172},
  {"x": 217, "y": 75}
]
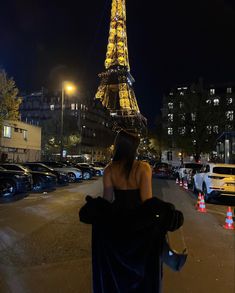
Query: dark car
[
  {"x": 87, "y": 168},
  {"x": 162, "y": 170},
  {"x": 42, "y": 181},
  {"x": 12, "y": 182},
  {"x": 62, "y": 178}
]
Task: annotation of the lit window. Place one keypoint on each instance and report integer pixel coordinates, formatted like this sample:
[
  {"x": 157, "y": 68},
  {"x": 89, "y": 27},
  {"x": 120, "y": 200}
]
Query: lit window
[
  {"x": 170, "y": 131},
  {"x": 52, "y": 107},
  {"x": 182, "y": 117},
  {"x": 216, "y": 129},
  {"x": 7, "y": 131},
  {"x": 212, "y": 91},
  {"x": 228, "y": 127},
  {"x": 171, "y": 94},
  {"x": 170, "y": 117},
  {"x": 76, "y": 106},
  {"x": 181, "y": 93},
  {"x": 193, "y": 116},
  {"x": 229, "y": 90},
  {"x": 182, "y": 130},
  {"x": 229, "y": 115},
  {"x": 72, "y": 106},
  {"x": 181, "y": 104},
  {"x": 193, "y": 130},
  {"x": 170, "y": 105},
  {"x": 229, "y": 101},
  {"x": 25, "y": 134},
  {"x": 209, "y": 129},
  {"x": 216, "y": 102}
]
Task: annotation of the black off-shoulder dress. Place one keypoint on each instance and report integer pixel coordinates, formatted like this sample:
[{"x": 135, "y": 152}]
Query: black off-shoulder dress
[{"x": 126, "y": 257}]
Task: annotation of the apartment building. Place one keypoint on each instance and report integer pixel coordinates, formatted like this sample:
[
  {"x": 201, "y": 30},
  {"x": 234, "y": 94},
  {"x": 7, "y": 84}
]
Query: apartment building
[
  {"x": 20, "y": 142},
  {"x": 199, "y": 113},
  {"x": 85, "y": 122}
]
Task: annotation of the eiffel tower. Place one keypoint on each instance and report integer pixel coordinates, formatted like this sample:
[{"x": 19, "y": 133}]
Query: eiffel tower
[{"x": 115, "y": 90}]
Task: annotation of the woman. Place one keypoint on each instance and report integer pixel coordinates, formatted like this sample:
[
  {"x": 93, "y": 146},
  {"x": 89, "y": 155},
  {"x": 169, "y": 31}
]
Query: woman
[
  {"x": 126, "y": 179},
  {"x": 128, "y": 225}
]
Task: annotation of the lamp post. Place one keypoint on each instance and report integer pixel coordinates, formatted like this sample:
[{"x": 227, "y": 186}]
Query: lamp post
[{"x": 70, "y": 88}]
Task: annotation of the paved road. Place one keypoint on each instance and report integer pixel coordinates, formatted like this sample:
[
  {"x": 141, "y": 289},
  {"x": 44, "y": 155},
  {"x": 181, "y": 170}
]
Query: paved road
[{"x": 44, "y": 248}]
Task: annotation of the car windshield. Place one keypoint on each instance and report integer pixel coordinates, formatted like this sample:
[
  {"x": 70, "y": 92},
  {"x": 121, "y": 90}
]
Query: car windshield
[
  {"x": 224, "y": 170},
  {"x": 193, "y": 166}
]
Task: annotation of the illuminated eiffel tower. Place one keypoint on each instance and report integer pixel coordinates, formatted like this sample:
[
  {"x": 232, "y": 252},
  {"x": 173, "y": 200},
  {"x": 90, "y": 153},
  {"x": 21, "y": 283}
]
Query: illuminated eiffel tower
[{"x": 115, "y": 90}]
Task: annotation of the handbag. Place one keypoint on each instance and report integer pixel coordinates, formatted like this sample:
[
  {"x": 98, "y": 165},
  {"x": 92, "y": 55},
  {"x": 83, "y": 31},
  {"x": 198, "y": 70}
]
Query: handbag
[{"x": 172, "y": 258}]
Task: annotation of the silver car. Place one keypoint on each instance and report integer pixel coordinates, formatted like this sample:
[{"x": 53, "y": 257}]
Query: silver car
[{"x": 74, "y": 174}]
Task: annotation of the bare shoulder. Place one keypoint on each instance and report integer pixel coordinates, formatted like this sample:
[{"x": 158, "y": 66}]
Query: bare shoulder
[
  {"x": 144, "y": 166},
  {"x": 107, "y": 168}
]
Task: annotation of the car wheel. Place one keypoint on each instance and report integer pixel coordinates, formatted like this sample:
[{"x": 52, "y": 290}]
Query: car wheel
[
  {"x": 86, "y": 176},
  {"x": 72, "y": 177},
  {"x": 204, "y": 190},
  {"x": 8, "y": 188},
  {"x": 37, "y": 185}
]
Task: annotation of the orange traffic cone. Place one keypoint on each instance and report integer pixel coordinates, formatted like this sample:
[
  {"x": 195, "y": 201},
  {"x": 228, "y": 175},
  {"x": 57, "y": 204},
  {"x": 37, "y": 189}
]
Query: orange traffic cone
[
  {"x": 177, "y": 181},
  {"x": 181, "y": 182},
  {"x": 202, "y": 207},
  {"x": 198, "y": 200},
  {"x": 229, "y": 220}
]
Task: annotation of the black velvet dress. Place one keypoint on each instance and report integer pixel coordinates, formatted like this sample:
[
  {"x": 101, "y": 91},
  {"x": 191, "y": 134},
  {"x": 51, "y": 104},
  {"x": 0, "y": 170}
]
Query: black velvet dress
[{"x": 126, "y": 257}]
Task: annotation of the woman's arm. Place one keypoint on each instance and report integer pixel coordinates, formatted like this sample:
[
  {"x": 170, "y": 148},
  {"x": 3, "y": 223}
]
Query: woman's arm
[
  {"x": 107, "y": 185},
  {"x": 145, "y": 181}
]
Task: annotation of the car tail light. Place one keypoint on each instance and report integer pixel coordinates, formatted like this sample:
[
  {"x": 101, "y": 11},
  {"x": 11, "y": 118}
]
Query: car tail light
[{"x": 216, "y": 177}]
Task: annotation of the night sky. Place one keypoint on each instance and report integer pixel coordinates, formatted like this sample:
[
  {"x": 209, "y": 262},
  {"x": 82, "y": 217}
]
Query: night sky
[{"x": 170, "y": 43}]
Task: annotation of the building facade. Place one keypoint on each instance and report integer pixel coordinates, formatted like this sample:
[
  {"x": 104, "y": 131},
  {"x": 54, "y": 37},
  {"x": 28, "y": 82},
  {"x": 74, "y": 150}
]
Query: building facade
[
  {"x": 20, "y": 142},
  {"x": 196, "y": 114},
  {"x": 87, "y": 129}
]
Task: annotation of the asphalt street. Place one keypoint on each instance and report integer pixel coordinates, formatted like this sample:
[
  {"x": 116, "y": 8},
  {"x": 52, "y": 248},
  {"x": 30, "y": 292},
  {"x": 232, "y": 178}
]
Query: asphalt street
[{"x": 44, "y": 248}]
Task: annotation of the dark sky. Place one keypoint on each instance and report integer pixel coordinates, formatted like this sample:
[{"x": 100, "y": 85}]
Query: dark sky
[{"x": 170, "y": 43}]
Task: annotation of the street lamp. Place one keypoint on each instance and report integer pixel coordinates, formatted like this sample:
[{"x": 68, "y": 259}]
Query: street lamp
[{"x": 67, "y": 87}]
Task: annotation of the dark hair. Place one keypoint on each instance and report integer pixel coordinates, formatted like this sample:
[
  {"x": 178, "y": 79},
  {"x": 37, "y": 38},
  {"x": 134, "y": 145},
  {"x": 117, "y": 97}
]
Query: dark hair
[{"x": 125, "y": 147}]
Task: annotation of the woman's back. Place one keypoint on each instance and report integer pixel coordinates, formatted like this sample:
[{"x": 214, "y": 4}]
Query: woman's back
[{"x": 129, "y": 191}]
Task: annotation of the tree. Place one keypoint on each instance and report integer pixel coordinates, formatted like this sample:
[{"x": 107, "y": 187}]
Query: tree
[{"x": 9, "y": 102}]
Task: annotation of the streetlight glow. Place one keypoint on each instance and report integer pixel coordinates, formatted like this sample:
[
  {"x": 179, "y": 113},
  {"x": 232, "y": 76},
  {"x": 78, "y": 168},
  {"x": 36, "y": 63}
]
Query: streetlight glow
[{"x": 68, "y": 88}]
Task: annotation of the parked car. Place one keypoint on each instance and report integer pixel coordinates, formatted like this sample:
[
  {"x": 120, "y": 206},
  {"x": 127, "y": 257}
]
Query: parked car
[
  {"x": 62, "y": 177},
  {"x": 215, "y": 180},
  {"x": 12, "y": 182},
  {"x": 42, "y": 181},
  {"x": 99, "y": 170},
  {"x": 73, "y": 173},
  {"x": 186, "y": 168},
  {"x": 99, "y": 164},
  {"x": 162, "y": 170},
  {"x": 86, "y": 167},
  {"x": 86, "y": 174}
]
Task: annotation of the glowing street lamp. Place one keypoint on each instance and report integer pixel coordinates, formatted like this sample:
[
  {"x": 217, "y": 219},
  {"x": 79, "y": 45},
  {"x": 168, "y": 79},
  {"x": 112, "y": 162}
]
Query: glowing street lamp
[{"x": 69, "y": 88}]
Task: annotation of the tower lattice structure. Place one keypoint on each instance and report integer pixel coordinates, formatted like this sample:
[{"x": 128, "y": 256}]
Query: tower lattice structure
[{"x": 115, "y": 90}]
